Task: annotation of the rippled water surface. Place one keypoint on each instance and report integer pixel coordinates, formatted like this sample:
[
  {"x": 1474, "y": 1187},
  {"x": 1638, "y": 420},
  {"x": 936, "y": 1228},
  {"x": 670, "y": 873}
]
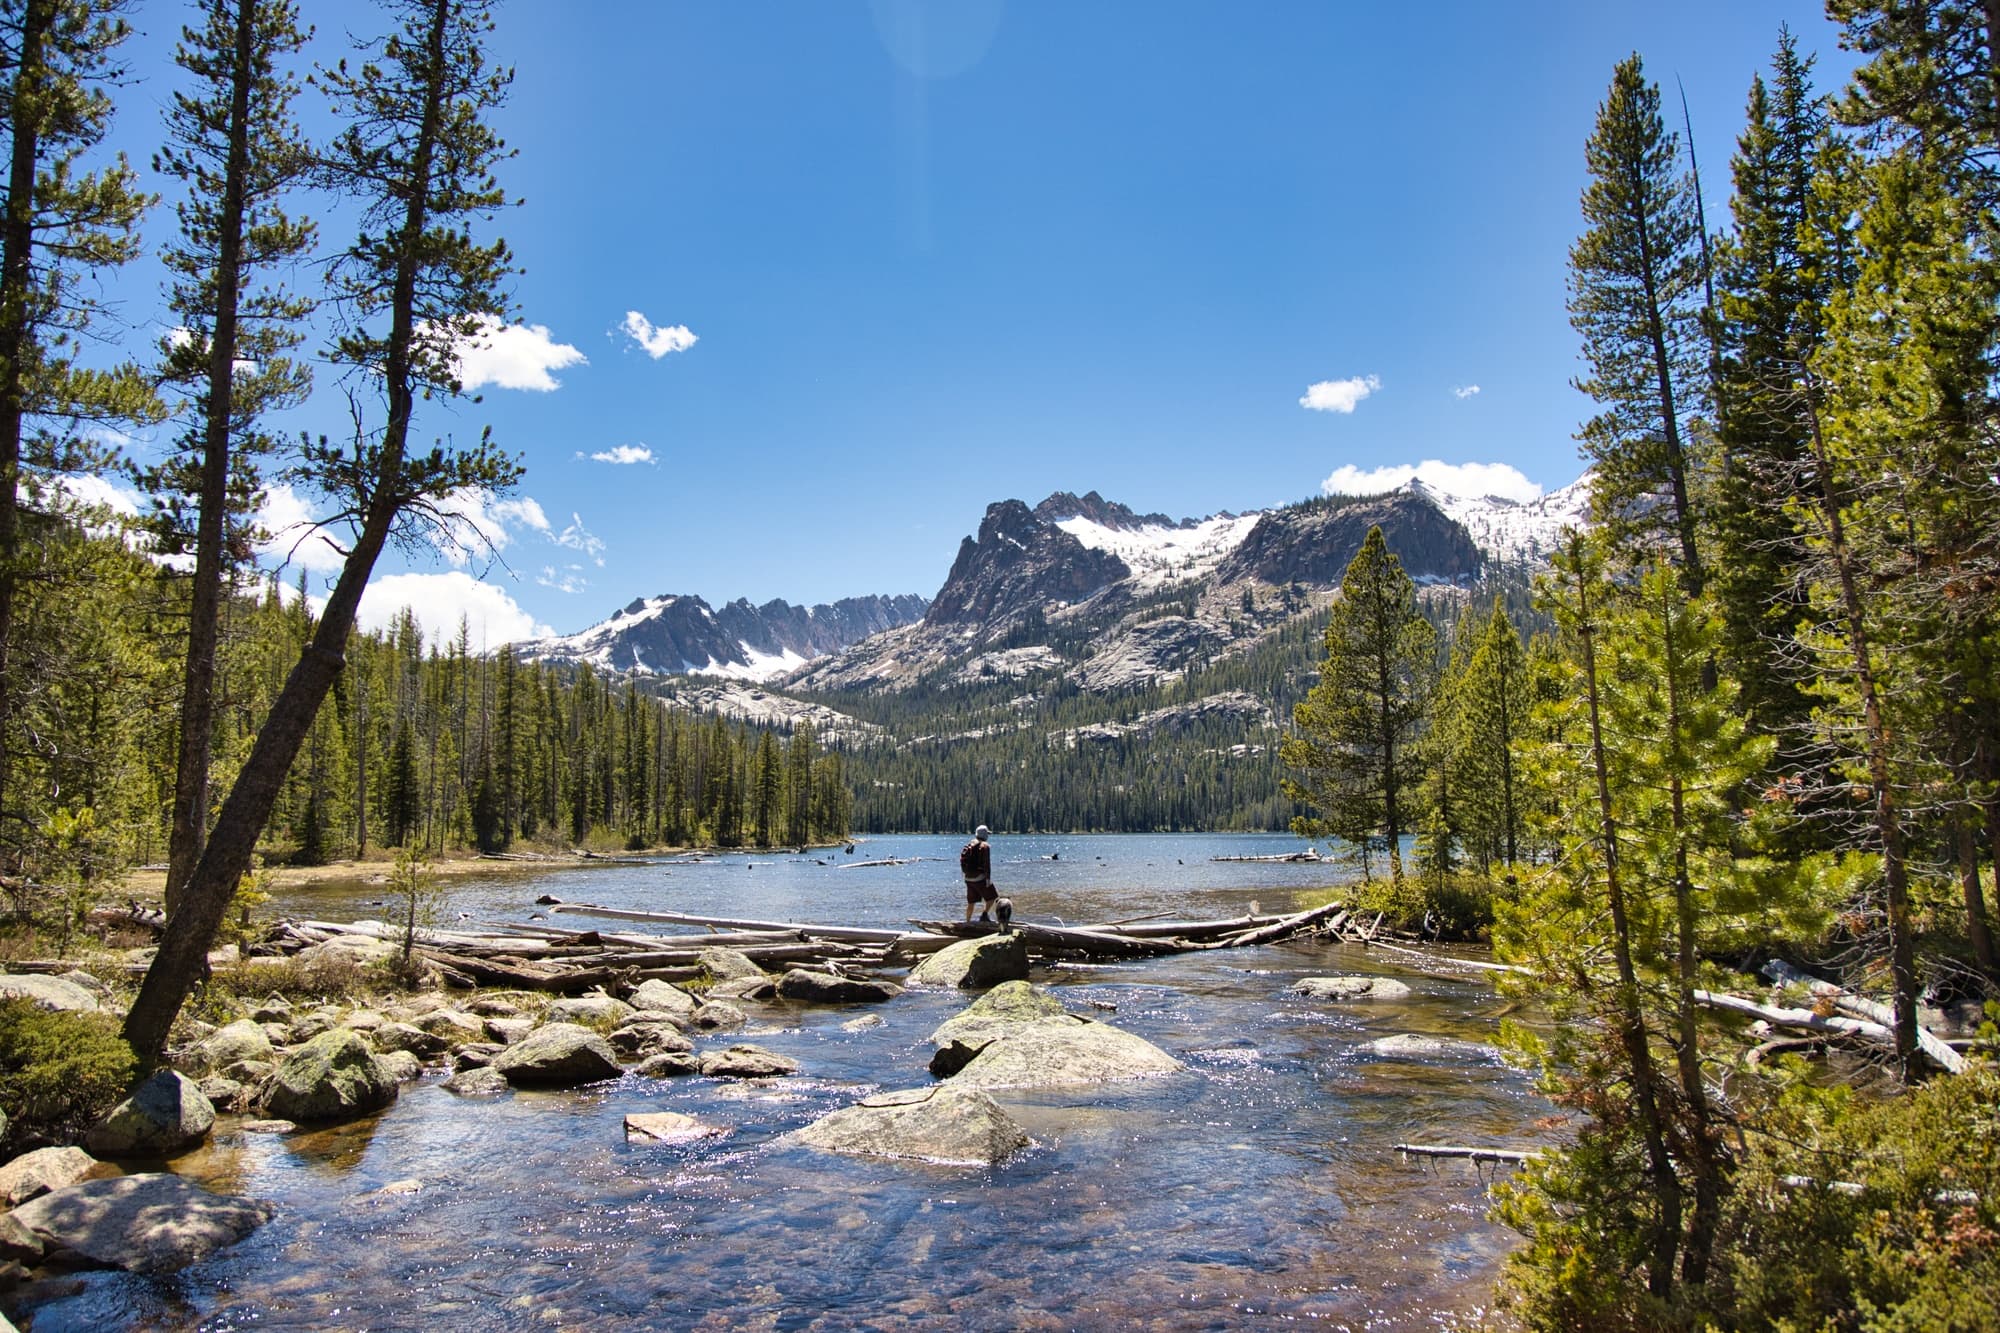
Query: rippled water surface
[{"x": 1256, "y": 1187}]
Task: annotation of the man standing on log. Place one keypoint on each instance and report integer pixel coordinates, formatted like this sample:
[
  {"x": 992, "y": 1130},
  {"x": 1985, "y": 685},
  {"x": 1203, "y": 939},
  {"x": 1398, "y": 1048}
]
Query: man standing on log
[{"x": 975, "y": 862}]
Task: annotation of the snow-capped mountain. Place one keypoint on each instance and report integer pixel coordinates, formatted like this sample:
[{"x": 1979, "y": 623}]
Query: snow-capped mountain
[
  {"x": 1515, "y": 531},
  {"x": 679, "y": 635}
]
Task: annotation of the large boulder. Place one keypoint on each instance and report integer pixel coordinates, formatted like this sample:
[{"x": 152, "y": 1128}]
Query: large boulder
[
  {"x": 480, "y": 1082},
  {"x": 590, "y": 1009},
  {"x": 36, "y": 1173},
  {"x": 717, "y": 1015},
  {"x": 400, "y": 1066},
  {"x": 1002, "y": 1007},
  {"x": 164, "y": 1115},
  {"x": 668, "y": 1064},
  {"x": 745, "y": 1061},
  {"x": 975, "y": 964},
  {"x": 48, "y": 992},
  {"x": 245, "y": 1039},
  {"x": 649, "y": 1035},
  {"x": 1349, "y": 990},
  {"x": 557, "y": 1055},
  {"x": 335, "y": 1076},
  {"x": 729, "y": 965},
  {"x": 662, "y": 997},
  {"x": 507, "y": 1031},
  {"x": 1018, "y": 1037},
  {"x": 152, "y": 1223},
  {"x": 951, "y": 1124},
  {"x": 812, "y": 987}
]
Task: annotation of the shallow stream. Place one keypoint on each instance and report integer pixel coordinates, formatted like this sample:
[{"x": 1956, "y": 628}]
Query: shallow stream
[{"x": 1258, "y": 1186}]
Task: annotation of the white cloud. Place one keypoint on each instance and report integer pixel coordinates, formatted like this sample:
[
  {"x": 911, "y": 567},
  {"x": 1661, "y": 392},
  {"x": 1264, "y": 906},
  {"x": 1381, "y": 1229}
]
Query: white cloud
[
  {"x": 86, "y": 488},
  {"x": 657, "y": 341},
  {"x": 1341, "y": 396},
  {"x": 1472, "y": 480},
  {"x": 576, "y": 537},
  {"x": 438, "y": 600},
  {"x": 624, "y": 453},
  {"x": 567, "y": 579},
  {"x": 475, "y": 522},
  {"x": 1465, "y": 391},
  {"x": 288, "y": 520},
  {"x": 514, "y": 356}
]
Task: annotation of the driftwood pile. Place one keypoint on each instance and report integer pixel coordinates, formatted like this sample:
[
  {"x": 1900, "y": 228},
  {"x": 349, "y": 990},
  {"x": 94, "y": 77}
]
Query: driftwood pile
[{"x": 571, "y": 962}]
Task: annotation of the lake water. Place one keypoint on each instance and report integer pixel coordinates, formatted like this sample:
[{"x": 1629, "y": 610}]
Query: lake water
[{"x": 1256, "y": 1187}]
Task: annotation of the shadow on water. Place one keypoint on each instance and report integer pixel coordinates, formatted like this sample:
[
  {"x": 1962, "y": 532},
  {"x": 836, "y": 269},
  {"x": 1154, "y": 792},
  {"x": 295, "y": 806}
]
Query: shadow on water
[{"x": 1257, "y": 1185}]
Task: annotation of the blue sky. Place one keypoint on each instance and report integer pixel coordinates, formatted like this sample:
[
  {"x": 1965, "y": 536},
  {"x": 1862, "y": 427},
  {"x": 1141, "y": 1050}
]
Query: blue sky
[{"x": 902, "y": 259}]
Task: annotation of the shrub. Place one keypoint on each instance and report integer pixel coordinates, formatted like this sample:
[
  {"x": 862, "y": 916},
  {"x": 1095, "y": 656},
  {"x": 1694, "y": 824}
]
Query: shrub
[{"x": 59, "y": 1071}]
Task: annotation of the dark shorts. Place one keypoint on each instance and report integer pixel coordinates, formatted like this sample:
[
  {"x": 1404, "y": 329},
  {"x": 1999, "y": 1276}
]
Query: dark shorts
[{"x": 980, "y": 891}]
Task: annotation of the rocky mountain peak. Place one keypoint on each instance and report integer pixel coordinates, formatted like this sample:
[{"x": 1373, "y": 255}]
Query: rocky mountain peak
[
  {"x": 1019, "y": 563},
  {"x": 1105, "y": 513}
]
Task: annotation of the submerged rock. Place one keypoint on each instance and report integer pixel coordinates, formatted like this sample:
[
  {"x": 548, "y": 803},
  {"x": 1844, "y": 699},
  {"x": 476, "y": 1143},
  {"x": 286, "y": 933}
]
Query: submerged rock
[
  {"x": 952, "y": 1124},
  {"x": 1347, "y": 990},
  {"x": 152, "y": 1223},
  {"x": 557, "y": 1055},
  {"x": 744, "y": 1061},
  {"x": 975, "y": 964},
  {"x": 164, "y": 1115},
  {"x": 666, "y": 1127},
  {"x": 335, "y": 1076},
  {"x": 1414, "y": 1046},
  {"x": 814, "y": 987}
]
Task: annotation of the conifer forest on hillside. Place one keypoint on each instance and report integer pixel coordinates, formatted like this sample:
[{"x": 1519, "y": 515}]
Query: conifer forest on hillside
[{"x": 1747, "y": 717}]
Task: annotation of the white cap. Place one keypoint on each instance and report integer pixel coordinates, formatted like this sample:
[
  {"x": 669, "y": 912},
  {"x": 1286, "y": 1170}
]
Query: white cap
[{"x": 982, "y": 833}]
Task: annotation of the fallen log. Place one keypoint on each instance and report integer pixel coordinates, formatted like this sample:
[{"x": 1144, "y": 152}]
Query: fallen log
[
  {"x": 858, "y": 934},
  {"x": 1511, "y": 1155},
  {"x": 1333, "y": 914},
  {"x": 1307, "y": 857},
  {"x": 1932, "y": 1045},
  {"x": 1059, "y": 939},
  {"x": 1809, "y": 1021},
  {"x": 1185, "y": 930},
  {"x": 885, "y": 861}
]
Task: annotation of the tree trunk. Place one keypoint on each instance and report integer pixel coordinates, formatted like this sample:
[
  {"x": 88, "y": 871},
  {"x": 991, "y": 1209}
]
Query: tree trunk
[
  {"x": 191, "y": 926},
  {"x": 17, "y": 243},
  {"x": 1888, "y": 820},
  {"x": 1631, "y": 1021},
  {"x": 189, "y": 829}
]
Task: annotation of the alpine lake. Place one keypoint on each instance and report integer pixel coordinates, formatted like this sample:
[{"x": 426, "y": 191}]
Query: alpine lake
[{"x": 1259, "y": 1186}]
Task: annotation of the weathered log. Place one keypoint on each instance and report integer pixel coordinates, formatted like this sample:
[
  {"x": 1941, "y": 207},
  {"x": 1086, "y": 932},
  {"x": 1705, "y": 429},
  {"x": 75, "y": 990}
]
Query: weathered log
[
  {"x": 1333, "y": 914},
  {"x": 1809, "y": 1021},
  {"x": 858, "y": 934},
  {"x": 1185, "y": 930},
  {"x": 1511, "y": 1155},
  {"x": 1932, "y": 1045},
  {"x": 1058, "y": 939},
  {"x": 885, "y": 861}
]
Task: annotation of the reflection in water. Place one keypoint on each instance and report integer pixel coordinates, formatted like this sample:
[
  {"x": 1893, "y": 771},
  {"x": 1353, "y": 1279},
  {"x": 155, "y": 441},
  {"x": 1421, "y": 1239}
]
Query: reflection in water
[{"x": 1257, "y": 1185}]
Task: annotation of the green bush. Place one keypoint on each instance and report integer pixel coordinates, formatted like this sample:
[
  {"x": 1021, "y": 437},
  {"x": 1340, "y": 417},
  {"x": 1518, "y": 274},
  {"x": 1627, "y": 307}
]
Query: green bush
[
  {"x": 1451, "y": 907},
  {"x": 1843, "y": 1215},
  {"x": 59, "y": 1072}
]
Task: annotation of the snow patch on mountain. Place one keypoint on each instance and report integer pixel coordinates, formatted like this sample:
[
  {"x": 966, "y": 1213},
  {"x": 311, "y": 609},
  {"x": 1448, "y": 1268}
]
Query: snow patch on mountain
[
  {"x": 1516, "y": 531},
  {"x": 1160, "y": 556}
]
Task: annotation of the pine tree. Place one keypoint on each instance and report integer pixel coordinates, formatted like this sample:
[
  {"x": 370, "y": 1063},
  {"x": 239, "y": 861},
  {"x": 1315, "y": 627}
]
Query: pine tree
[
  {"x": 1492, "y": 715},
  {"x": 1778, "y": 275},
  {"x": 61, "y": 227},
  {"x": 419, "y": 157},
  {"x": 1353, "y": 731},
  {"x": 1635, "y": 294},
  {"x": 234, "y": 148}
]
